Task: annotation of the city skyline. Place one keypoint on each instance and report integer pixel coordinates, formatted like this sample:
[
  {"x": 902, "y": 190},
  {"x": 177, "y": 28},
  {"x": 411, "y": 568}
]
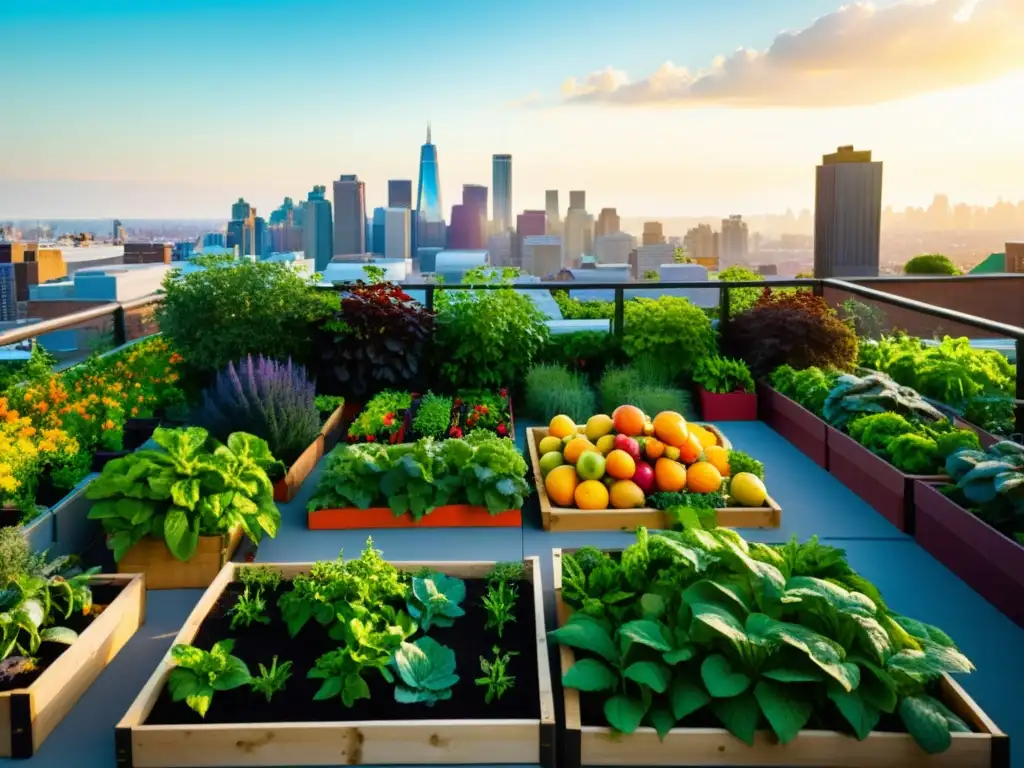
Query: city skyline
[{"x": 695, "y": 153}]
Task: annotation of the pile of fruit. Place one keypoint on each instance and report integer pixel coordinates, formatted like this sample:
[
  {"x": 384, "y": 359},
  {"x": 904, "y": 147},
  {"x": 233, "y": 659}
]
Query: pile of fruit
[{"x": 620, "y": 460}]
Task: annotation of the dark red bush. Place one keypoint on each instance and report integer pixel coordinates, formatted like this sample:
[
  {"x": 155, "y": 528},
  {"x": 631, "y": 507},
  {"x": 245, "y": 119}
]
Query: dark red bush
[{"x": 796, "y": 329}]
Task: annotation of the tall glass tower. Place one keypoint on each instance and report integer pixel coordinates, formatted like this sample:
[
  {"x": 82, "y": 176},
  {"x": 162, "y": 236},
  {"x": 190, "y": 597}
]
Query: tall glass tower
[
  {"x": 502, "y": 183},
  {"x": 428, "y": 196}
]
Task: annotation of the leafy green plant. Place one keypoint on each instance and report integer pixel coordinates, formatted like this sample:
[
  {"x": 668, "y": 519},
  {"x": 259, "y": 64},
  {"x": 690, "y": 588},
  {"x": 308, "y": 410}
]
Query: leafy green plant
[
  {"x": 250, "y": 608},
  {"x": 574, "y": 309},
  {"x": 809, "y": 387},
  {"x": 495, "y": 675},
  {"x": 491, "y": 336},
  {"x": 328, "y": 404},
  {"x": 930, "y": 264},
  {"x": 426, "y": 672},
  {"x": 554, "y": 389},
  {"x": 741, "y": 299},
  {"x": 866, "y": 320},
  {"x": 911, "y": 447},
  {"x": 500, "y": 604},
  {"x": 272, "y": 681},
  {"x": 723, "y": 375},
  {"x": 190, "y": 486},
  {"x": 382, "y": 417},
  {"x": 744, "y": 462},
  {"x": 642, "y": 385},
  {"x": 586, "y": 352},
  {"x": 435, "y": 600},
  {"x": 750, "y": 634},
  {"x": 198, "y": 674},
  {"x": 670, "y": 328},
  {"x": 853, "y": 396},
  {"x": 992, "y": 484},
  {"x": 433, "y": 416},
  {"x": 480, "y": 469}
]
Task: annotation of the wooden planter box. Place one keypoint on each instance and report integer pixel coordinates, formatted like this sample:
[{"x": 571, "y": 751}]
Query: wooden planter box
[
  {"x": 374, "y": 742},
  {"x": 448, "y": 516},
  {"x": 164, "y": 571},
  {"x": 288, "y": 486},
  {"x": 989, "y": 562},
  {"x": 733, "y": 406},
  {"x": 29, "y": 715},
  {"x": 795, "y": 423},
  {"x": 889, "y": 491},
  {"x": 562, "y": 519},
  {"x": 599, "y": 745}
]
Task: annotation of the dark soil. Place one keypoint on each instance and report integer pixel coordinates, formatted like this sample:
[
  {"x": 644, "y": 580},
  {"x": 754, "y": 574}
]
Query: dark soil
[
  {"x": 49, "y": 652},
  {"x": 295, "y": 703}
]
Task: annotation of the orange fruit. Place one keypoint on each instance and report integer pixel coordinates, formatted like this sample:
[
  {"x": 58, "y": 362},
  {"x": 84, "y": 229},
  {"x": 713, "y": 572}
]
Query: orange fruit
[
  {"x": 690, "y": 450},
  {"x": 719, "y": 458},
  {"x": 625, "y": 494},
  {"x": 575, "y": 447},
  {"x": 628, "y": 420},
  {"x": 591, "y": 494},
  {"x": 561, "y": 485},
  {"x": 654, "y": 448},
  {"x": 620, "y": 465},
  {"x": 670, "y": 427},
  {"x": 669, "y": 476},
  {"x": 562, "y": 426},
  {"x": 702, "y": 477},
  {"x": 705, "y": 435}
]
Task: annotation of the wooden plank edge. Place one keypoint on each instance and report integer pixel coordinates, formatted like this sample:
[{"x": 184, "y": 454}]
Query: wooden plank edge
[{"x": 548, "y": 732}]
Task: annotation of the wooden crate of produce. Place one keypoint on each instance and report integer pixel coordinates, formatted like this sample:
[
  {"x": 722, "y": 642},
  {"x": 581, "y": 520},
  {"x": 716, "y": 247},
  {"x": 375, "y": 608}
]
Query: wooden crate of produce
[
  {"x": 587, "y": 745},
  {"x": 29, "y": 715},
  {"x": 563, "y": 519},
  {"x": 343, "y": 742}
]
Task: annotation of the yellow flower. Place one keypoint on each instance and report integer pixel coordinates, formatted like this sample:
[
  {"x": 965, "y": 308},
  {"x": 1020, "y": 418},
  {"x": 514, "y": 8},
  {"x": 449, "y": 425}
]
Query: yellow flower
[
  {"x": 9, "y": 484},
  {"x": 47, "y": 446}
]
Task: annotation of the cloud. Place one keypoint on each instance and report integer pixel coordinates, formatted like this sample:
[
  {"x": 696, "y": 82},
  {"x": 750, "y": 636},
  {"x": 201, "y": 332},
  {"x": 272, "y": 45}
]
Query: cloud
[
  {"x": 532, "y": 100},
  {"x": 856, "y": 56}
]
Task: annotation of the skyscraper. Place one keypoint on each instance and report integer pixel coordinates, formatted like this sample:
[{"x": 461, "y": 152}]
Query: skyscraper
[
  {"x": 577, "y": 200},
  {"x": 847, "y": 215},
  {"x": 430, "y": 217},
  {"x": 378, "y": 232},
  {"x": 654, "y": 233},
  {"x": 734, "y": 242},
  {"x": 349, "y": 216},
  {"x": 468, "y": 229},
  {"x": 528, "y": 224},
  {"x": 501, "y": 182},
  {"x": 399, "y": 193},
  {"x": 607, "y": 222},
  {"x": 551, "y": 208},
  {"x": 242, "y": 229},
  {"x": 317, "y": 229},
  {"x": 396, "y": 237}
]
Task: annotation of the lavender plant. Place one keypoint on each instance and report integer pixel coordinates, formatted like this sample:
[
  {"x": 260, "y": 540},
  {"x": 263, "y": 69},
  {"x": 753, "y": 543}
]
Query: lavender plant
[{"x": 272, "y": 400}]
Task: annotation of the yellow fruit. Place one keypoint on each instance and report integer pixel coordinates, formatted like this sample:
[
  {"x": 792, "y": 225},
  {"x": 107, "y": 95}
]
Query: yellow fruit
[
  {"x": 670, "y": 427},
  {"x": 748, "y": 490},
  {"x": 671, "y": 452},
  {"x": 597, "y": 427},
  {"x": 549, "y": 461},
  {"x": 706, "y": 436},
  {"x": 591, "y": 494},
  {"x": 561, "y": 426},
  {"x": 719, "y": 457},
  {"x": 648, "y": 428},
  {"x": 702, "y": 477},
  {"x": 575, "y": 447},
  {"x": 561, "y": 484},
  {"x": 549, "y": 445},
  {"x": 606, "y": 444},
  {"x": 625, "y": 494},
  {"x": 669, "y": 476},
  {"x": 620, "y": 465}
]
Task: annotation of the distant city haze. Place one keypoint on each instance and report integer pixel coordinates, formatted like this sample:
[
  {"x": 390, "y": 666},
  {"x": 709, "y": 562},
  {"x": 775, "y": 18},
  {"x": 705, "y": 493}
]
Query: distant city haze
[{"x": 631, "y": 102}]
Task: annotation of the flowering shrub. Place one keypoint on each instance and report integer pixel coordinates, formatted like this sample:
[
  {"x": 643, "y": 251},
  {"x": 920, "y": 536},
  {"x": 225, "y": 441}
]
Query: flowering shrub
[{"x": 484, "y": 411}]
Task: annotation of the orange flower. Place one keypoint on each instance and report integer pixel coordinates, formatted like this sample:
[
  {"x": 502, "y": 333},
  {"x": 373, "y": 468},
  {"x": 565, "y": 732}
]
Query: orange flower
[
  {"x": 135, "y": 411},
  {"x": 108, "y": 424},
  {"x": 42, "y": 406}
]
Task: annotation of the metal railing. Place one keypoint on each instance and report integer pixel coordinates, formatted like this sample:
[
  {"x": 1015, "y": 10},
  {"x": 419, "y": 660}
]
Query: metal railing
[{"x": 117, "y": 311}]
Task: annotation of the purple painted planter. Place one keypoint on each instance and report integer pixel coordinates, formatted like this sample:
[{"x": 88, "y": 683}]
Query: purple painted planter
[
  {"x": 986, "y": 560},
  {"x": 795, "y": 423},
  {"x": 889, "y": 491}
]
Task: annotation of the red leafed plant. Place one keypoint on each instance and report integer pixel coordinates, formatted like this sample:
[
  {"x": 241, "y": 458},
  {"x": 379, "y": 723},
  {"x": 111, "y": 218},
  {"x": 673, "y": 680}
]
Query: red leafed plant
[{"x": 796, "y": 329}]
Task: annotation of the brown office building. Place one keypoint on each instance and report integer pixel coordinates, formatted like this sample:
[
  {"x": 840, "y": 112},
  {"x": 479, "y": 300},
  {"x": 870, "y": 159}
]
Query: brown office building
[
  {"x": 607, "y": 222},
  {"x": 653, "y": 233},
  {"x": 847, "y": 215},
  {"x": 147, "y": 253}
]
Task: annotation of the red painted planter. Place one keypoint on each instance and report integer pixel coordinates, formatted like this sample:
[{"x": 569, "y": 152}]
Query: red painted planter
[
  {"x": 734, "y": 406},
  {"x": 449, "y": 516},
  {"x": 795, "y": 423},
  {"x": 889, "y": 491},
  {"x": 987, "y": 561}
]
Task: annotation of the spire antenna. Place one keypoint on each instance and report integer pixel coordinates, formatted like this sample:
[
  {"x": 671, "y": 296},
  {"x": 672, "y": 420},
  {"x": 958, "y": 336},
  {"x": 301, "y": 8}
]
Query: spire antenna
[{"x": 428, "y": 132}]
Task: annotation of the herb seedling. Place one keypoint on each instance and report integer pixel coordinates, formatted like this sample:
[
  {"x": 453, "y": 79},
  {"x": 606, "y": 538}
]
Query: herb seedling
[
  {"x": 507, "y": 572},
  {"x": 500, "y": 603},
  {"x": 249, "y": 609},
  {"x": 272, "y": 681},
  {"x": 261, "y": 579},
  {"x": 497, "y": 680},
  {"x": 199, "y": 673}
]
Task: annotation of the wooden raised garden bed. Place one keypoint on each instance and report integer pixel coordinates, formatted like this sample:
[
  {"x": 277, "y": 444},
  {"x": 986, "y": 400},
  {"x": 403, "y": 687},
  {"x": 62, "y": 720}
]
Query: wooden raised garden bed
[
  {"x": 448, "y": 516},
  {"x": 288, "y": 486},
  {"x": 889, "y": 491},
  {"x": 989, "y": 562},
  {"x": 795, "y": 423},
  {"x": 410, "y": 738},
  {"x": 587, "y": 745},
  {"x": 29, "y": 715},
  {"x": 164, "y": 571},
  {"x": 562, "y": 519}
]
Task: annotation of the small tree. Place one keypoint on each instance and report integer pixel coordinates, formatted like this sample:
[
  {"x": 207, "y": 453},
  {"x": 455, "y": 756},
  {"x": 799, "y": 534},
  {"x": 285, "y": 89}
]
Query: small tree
[
  {"x": 681, "y": 257},
  {"x": 650, "y": 274},
  {"x": 930, "y": 264}
]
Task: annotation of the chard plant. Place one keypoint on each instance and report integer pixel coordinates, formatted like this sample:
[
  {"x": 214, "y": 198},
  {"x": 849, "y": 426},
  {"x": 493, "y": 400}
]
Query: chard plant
[
  {"x": 271, "y": 681},
  {"x": 992, "y": 484},
  {"x": 495, "y": 675},
  {"x": 435, "y": 600},
  {"x": 426, "y": 672},
  {"x": 753, "y": 634},
  {"x": 199, "y": 674}
]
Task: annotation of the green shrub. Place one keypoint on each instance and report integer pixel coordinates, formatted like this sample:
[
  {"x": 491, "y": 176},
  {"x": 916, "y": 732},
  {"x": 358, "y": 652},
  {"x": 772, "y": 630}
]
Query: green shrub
[
  {"x": 433, "y": 416},
  {"x": 741, "y": 299},
  {"x": 723, "y": 375},
  {"x": 588, "y": 352},
  {"x": 670, "y": 328},
  {"x": 651, "y": 394},
  {"x": 930, "y": 264},
  {"x": 574, "y": 309},
  {"x": 554, "y": 389}
]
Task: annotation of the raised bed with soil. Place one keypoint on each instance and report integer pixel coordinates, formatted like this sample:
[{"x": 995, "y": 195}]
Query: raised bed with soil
[
  {"x": 589, "y": 741},
  {"x": 989, "y": 562},
  {"x": 288, "y": 486},
  {"x": 798, "y": 425},
  {"x": 242, "y": 729},
  {"x": 164, "y": 571},
  {"x": 562, "y": 519},
  {"x": 33, "y": 704}
]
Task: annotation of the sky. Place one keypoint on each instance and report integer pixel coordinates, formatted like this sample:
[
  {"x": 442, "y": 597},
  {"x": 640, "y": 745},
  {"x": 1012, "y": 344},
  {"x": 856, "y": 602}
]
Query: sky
[{"x": 150, "y": 108}]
